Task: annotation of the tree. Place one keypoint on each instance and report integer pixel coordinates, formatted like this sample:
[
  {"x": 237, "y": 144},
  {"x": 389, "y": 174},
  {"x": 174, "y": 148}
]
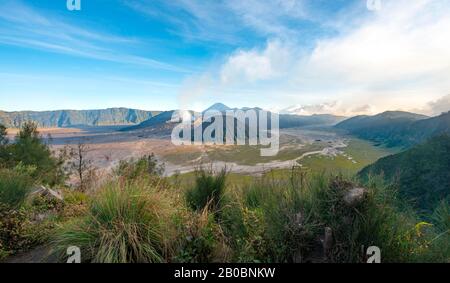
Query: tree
[
  {"x": 29, "y": 149},
  {"x": 4, "y": 153},
  {"x": 82, "y": 166},
  {"x": 3, "y": 136}
]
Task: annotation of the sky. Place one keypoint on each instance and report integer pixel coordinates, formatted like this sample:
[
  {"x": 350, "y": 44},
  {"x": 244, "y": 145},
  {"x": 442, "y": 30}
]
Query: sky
[{"x": 345, "y": 57}]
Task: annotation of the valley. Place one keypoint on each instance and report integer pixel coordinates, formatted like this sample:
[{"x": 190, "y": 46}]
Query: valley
[{"x": 319, "y": 148}]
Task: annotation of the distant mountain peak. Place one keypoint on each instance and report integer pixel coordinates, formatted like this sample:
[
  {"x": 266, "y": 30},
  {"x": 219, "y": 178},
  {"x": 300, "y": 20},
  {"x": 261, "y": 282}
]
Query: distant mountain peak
[{"x": 217, "y": 106}]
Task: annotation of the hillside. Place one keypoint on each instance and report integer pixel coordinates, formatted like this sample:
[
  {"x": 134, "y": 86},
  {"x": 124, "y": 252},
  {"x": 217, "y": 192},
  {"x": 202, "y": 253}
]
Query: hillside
[
  {"x": 292, "y": 121},
  {"x": 422, "y": 172},
  {"x": 424, "y": 129},
  {"x": 392, "y": 128},
  {"x": 68, "y": 118}
]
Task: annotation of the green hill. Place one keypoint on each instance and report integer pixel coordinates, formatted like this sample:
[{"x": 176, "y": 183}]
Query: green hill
[
  {"x": 426, "y": 128},
  {"x": 389, "y": 128},
  {"x": 422, "y": 172}
]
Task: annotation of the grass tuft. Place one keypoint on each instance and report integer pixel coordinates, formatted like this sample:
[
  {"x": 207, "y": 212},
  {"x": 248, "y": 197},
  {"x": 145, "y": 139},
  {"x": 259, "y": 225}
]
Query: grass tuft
[{"x": 125, "y": 223}]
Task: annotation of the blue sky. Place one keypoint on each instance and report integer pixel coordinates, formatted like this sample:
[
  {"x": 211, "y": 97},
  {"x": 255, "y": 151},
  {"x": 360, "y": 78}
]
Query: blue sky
[{"x": 310, "y": 56}]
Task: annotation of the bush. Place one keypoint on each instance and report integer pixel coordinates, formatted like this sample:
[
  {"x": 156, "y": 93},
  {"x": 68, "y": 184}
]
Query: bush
[
  {"x": 3, "y": 148},
  {"x": 276, "y": 226},
  {"x": 208, "y": 191},
  {"x": 203, "y": 239},
  {"x": 144, "y": 166},
  {"x": 29, "y": 150},
  {"x": 18, "y": 232},
  {"x": 441, "y": 216},
  {"x": 15, "y": 184},
  {"x": 3, "y": 135},
  {"x": 125, "y": 223},
  {"x": 285, "y": 219}
]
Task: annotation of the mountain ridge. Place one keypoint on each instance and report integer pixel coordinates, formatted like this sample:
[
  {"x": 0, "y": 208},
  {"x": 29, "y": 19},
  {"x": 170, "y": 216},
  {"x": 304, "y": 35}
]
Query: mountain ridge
[
  {"x": 69, "y": 118},
  {"x": 391, "y": 128}
]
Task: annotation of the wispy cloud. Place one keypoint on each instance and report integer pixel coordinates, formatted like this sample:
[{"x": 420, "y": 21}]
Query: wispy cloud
[
  {"x": 227, "y": 21},
  {"x": 28, "y": 28}
]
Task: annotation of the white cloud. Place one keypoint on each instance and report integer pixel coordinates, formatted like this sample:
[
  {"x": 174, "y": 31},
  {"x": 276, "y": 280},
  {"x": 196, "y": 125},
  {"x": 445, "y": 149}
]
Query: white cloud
[
  {"x": 397, "y": 58},
  {"x": 405, "y": 40},
  {"x": 322, "y": 108},
  {"x": 255, "y": 65},
  {"x": 438, "y": 106}
]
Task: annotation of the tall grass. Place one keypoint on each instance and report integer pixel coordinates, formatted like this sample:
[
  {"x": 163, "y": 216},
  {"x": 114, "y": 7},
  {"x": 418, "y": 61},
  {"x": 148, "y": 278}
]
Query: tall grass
[
  {"x": 268, "y": 220},
  {"x": 15, "y": 184},
  {"x": 126, "y": 222},
  {"x": 209, "y": 190},
  {"x": 274, "y": 227},
  {"x": 284, "y": 220}
]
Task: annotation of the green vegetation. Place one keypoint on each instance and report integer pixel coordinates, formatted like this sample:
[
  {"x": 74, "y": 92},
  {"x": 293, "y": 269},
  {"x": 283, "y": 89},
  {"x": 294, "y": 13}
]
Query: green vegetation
[
  {"x": 250, "y": 155},
  {"x": 26, "y": 163},
  {"x": 124, "y": 223},
  {"x": 29, "y": 150},
  {"x": 3, "y": 135},
  {"x": 265, "y": 220},
  {"x": 358, "y": 154},
  {"x": 396, "y": 128},
  {"x": 208, "y": 191},
  {"x": 132, "y": 169},
  {"x": 15, "y": 184},
  {"x": 421, "y": 173}
]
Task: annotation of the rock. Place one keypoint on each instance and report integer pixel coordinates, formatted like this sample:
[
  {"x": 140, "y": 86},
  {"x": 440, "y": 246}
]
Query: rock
[
  {"x": 46, "y": 192},
  {"x": 354, "y": 196}
]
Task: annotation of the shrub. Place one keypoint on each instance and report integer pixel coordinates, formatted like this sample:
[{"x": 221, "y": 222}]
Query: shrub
[
  {"x": 144, "y": 166},
  {"x": 203, "y": 240},
  {"x": 372, "y": 222},
  {"x": 285, "y": 219},
  {"x": 263, "y": 220},
  {"x": 30, "y": 150},
  {"x": 125, "y": 222},
  {"x": 12, "y": 228},
  {"x": 3, "y": 253},
  {"x": 15, "y": 184},
  {"x": 3, "y": 135},
  {"x": 209, "y": 190},
  {"x": 441, "y": 216},
  {"x": 18, "y": 232}
]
